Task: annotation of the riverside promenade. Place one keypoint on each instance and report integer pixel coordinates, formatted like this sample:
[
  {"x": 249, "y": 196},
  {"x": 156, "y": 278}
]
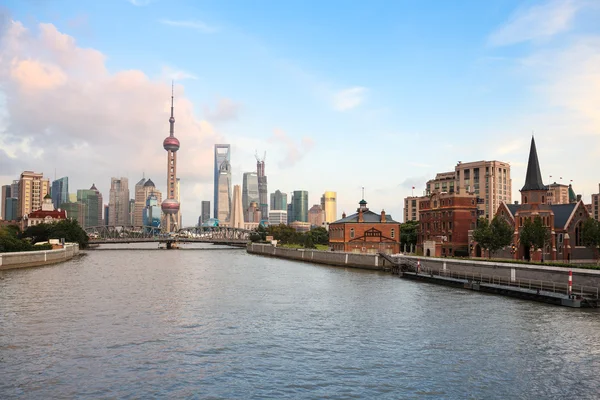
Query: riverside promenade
[{"x": 25, "y": 259}]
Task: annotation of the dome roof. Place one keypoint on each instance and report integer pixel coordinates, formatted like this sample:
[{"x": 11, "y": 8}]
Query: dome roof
[
  {"x": 47, "y": 196},
  {"x": 149, "y": 183}
]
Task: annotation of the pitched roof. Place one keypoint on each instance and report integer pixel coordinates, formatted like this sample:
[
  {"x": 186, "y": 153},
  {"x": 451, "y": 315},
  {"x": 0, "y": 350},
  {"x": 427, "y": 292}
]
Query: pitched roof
[
  {"x": 149, "y": 183},
  {"x": 533, "y": 178},
  {"x": 562, "y": 212},
  {"x": 512, "y": 208},
  {"x": 368, "y": 216},
  {"x": 43, "y": 214}
]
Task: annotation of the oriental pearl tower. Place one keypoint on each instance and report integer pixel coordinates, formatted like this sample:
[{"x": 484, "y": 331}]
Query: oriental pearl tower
[{"x": 171, "y": 206}]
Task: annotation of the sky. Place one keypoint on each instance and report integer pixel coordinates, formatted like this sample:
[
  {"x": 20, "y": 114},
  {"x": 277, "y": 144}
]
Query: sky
[{"x": 340, "y": 95}]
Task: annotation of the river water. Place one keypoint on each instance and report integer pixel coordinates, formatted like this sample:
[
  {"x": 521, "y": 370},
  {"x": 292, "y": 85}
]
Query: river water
[{"x": 222, "y": 324}]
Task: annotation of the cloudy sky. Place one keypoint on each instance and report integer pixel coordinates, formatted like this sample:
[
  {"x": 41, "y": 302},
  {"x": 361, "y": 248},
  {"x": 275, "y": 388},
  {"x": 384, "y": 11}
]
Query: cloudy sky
[{"x": 339, "y": 94}]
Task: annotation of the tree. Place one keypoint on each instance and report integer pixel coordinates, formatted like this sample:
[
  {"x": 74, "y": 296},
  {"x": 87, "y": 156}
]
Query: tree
[
  {"x": 590, "y": 234},
  {"x": 319, "y": 236},
  {"x": 409, "y": 232},
  {"x": 534, "y": 234},
  {"x": 9, "y": 241},
  {"x": 493, "y": 236},
  {"x": 37, "y": 233},
  {"x": 283, "y": 234}
]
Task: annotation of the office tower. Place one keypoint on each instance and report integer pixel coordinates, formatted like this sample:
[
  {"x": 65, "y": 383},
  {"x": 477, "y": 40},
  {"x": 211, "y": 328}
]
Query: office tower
[
  {"x": 249, "y": 189},
  {"x": 14, "y": 189},
  {"x": 32, "y": 190},
  {"x": 11, "y": 208},
  {"x": 316, "y": 215},
  {"x": 253, "y": 213},
  {"x": 105, "y": 214},
  {"x": 89, "y": 199},
  {"x": 262, "y": 186},
  {"x": 277, "y": 217},
  {"x": 300, "y": 205},
  {"x": 237, "y": 213},
  {"x": 170, "y": 206},
  {"x": 290, "y": 213},
  {"x": 60, "y": 191},
  {"x": 5, "y": 195},
  {"x": 279, "y": 201},
  {"x": 143, "y": 189},
  {"x": 118, "y": 202},
  {"x": 222, "y": 154},
  {"x": 329, "y": 206},
  {"x": 205, "y": 212},
  {"x": 224, "y": 187},
  {"x": 131, "y": 211},
  {"x": 411, "y": 208},
  {"x": 75, "y": 211},
  {"x": 100, "y": 205},
  {"x": 152, "y": 213}
]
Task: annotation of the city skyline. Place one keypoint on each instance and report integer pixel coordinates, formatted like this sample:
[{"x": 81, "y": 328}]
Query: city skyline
[{"x": 430, "y": 83}]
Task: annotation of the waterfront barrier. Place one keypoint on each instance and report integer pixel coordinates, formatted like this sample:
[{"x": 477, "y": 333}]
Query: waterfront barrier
[{"x": 37, "y": 258}]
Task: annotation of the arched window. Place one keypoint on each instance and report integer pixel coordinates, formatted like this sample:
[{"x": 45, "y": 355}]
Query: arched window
[
  {"x": 524, "y": 199},
  {"x": 351, "y": 233}
]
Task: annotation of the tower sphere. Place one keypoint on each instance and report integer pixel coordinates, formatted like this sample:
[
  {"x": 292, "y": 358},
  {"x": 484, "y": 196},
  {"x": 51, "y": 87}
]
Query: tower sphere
[
  {"x": 170, "y": 206},
  {"x": 172, "y": 120},
  {"x": 171, "y": 143}
]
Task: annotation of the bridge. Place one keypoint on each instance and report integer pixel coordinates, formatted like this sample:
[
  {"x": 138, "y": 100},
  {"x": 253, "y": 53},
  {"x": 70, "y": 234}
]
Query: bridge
[{"x": 148, "y": 234}]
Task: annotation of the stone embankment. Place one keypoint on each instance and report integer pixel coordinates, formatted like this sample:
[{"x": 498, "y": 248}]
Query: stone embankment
[{"x": 38, "y": 258}]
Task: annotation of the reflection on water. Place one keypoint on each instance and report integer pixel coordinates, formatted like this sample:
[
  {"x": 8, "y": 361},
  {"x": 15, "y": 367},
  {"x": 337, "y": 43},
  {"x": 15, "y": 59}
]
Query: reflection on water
[{"x": 224, "y": 324}]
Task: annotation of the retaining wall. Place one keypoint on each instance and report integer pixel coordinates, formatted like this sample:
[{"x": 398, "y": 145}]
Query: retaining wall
[
  {"x": 37, "y": 258},
  {"x": 364, "y": 261},
  {"x": 584, "y": 277}
]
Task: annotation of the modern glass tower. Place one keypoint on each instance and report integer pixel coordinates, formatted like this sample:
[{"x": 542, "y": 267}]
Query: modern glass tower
[
  {"x": 89, "y": 199},
  {"x": 151, "y": 214},
  {"x": 222, "y": 154},
  {"x": 300, "y": 205},
  {"x": 329, "y": 206},
  {"x": 278, "y": 200},
  {"x": 60, "y": 192},
  {"x": 249, "y": 190},
  {"x": 224, "y": 192}
]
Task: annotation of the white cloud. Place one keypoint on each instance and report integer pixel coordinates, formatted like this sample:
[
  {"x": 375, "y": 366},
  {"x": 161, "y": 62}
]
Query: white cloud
[
  {"x": 196, "y": 25},
  {"x": 536, "y": 22},
  {"x": 294, "y": 152},
  {"x": 65, "y": 111},
  {"x": 348, "y": 99}
]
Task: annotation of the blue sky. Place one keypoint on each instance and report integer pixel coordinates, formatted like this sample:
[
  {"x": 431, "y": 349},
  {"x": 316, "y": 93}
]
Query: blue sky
[{"x": 341, "y": 95}]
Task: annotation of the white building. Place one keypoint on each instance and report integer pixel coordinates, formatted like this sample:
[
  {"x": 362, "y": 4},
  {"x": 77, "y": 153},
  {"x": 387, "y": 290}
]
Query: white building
[{"x": 277, "y": 217}]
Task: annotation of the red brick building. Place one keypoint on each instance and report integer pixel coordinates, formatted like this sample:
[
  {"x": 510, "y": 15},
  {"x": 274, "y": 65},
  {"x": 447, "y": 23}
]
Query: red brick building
[
  {"x": 445, "y": 220},
  {"x": 564, "y": 221},
  {"x": 365, "y": 232}
]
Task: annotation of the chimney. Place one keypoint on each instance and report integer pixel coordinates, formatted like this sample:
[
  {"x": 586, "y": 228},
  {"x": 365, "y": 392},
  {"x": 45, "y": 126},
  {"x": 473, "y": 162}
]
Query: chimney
[
  {"x": 382, "y": 215},
  {"x": 360, "y": 216},
  {"x": 578, "y": 198},
  {"x": 516, "y": 201},
  {"x": 344, "y": 215}
]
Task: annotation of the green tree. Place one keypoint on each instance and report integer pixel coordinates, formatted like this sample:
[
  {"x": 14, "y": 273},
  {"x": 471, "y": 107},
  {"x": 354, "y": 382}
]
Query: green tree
[
  {"x": 590, "y": 235},
  {"x": 38, "y": 233},
  {"x": 409, "y": 232},
  {"x": 69, "y": 230},
  {"x": 9, "y": 242},
  {"x": 284, "y": 234},
  {"x": 493, "y": 236},
  {"x": 534, "y": 233},
  {"x": 319, "y": 235},
  {"x": 307, "y": 241}
]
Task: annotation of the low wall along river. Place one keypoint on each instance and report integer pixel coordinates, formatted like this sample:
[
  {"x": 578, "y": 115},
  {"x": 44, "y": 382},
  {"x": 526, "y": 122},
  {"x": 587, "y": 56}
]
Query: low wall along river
[{"x": 37, "y": 258}]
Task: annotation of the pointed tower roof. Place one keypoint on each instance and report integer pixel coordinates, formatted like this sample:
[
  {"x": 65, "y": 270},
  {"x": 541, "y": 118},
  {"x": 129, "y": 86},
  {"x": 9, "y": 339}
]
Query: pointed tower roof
[
  {"x": 149, "y": 183},
  {"x": 572, "y": 196},
  {"x": 533, "y": 179},
  {"x": 94, "y": 187}
]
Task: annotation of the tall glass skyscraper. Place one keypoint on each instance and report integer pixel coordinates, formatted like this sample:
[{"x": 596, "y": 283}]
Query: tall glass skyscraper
[
  {"x": 60, "y": 191},
  {"x": 249, "y": 190},
  {"x": 329, "y": 206},
  {"x": 151, "y": 214},
  {"x": 300, "y": 205},
  {"x": 205, "y": 212},
  {"x": 89, "y": 199},
  {"x": 224, "y": 195},
  {"x": 222, "y": 154},
  {"x": 278, "y": 200}
]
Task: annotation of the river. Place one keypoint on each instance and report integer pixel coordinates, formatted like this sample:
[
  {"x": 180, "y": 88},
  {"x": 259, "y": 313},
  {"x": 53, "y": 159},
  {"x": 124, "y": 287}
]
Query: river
[{"x": 222, "y": 324}]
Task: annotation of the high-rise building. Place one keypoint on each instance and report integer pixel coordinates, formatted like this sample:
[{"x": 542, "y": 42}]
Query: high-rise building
[
  {"x": 73, "y": 197},
  {"x": 32, "y": 190},
  {"x": 11, "y": 208},
  {"x": 300, "y": 206},
  {"x": 277, "y": 217},
  {"x": 237, "y": 213},
  {"x": 222, "y": 154},
  {"x": 100, "y": 205},
  {"x": 152, "y": 213},
  {"x": 89, "y": 199},
  {"x": 143, "y": 189},
  {"x": 253, "y": 213},
  {"x": 224, "y": 187},
  {"x": 411, "y": 208},
  {"x": 263, "y": 204},
  {"x": 105, "y": 214},
  {"x": 205, "y": 212},
  {"x": 60, "y": 191},
  {"x": 595, "y": 207},
  {"x": 75, "y": 210},
  {"x": 249, "y": 189},
  {"x": 170, "y": 206},
  {"x": 118, "y": 202},
  {"x": 316, "y": 215},
  {"x": 329, "y": 206},
  {"x": 131, "y": 211},
  {"x": 5, "y": 195},
  {"x": 279, "y": 201}
]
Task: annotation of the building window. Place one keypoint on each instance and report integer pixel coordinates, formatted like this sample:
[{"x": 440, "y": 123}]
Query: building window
[
  {"x": 393, "y": 234},
  {"x": 524, "y": 199},
  {"x": 351, "y": 233}
]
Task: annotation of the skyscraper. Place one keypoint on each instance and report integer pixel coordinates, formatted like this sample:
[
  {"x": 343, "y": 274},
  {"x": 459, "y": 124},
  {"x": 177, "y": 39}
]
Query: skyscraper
[
  {"x": 143, "y": 189},
  {"x": 118, "y": 202},
  {"x": 300, "y": 205},
  {"x": 100, "y": 205},
  {"x": 222, "y": 154},
  {"x": 329, "y": 206},
  {"x": 151, "y": 214},
  {"x": 249, "y": 189},
  {"x": 316, "y": 215},
  {"x": 224, "y": 187},
  {"x": 279, "y": 201},
  {"x": 60, "y": 191},
  {"x": 205, "y": 212},
  {"x": 3, "y": 200},
  {"x": 89, "y": 199},
  {"x": 263, "y": 204},
  {"x": 32, "y": 189},
  {"x": 171, "y": 206},
  {"x": 237, "y": 214}
]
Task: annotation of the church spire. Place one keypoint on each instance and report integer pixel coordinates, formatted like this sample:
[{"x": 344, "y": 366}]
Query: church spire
[{"x": 533, "y": 179}]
